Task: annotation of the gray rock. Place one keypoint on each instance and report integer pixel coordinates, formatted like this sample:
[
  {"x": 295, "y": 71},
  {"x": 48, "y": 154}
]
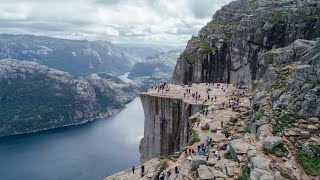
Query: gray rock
[
  {"x": 305, "y": 134},
  {"x": 205, "y": 172},
  {"x": 312, "y": 128},
  {"x": 272, "y": 142},
  {"x": 196, "y": 162},
  {"x": 211, "y": 161},
  {"x": 313, "y": 120},
  {"x": 260, "y": 163},
  {"x": 238, "y": 147}
]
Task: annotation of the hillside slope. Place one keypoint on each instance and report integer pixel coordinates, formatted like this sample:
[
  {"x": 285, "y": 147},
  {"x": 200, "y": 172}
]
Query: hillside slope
[
  {"x": 34, "y": 97},
  {"x": 78, "y": 57}
]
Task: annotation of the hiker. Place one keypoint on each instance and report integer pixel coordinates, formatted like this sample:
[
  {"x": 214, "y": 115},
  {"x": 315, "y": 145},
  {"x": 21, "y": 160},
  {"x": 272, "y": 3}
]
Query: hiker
[
  {"x": 133, "y": 168},
  {"x": 176, "y": 169},
  {"x": 192, "y": 151},
  {"x": 185, "y": 152},
  {"x": 221, "y": 123},
  {"x": 184, "y": 95},
  {"x": 162, "y": 177},
  {"x": 168, "y": 174},
  {"x": 142, "y": 168}
]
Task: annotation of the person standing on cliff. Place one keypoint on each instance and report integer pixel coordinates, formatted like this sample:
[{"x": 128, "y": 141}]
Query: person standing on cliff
[
  {"x": 142, "y": 168},
  {"x": 176, "y": 169},
  {"x": 133, "y": 168}
]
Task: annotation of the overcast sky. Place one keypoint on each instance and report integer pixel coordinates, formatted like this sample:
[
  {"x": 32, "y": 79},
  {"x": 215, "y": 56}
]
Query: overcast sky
[{"x": 170, "y": 22}]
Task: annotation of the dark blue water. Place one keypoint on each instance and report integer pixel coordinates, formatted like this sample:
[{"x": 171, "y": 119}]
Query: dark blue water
[{"x": 85, "y": 152}]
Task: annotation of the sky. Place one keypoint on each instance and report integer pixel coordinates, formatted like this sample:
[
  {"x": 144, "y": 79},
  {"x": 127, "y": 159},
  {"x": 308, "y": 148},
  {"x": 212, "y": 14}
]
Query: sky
[{"x": 169, "y": 22}]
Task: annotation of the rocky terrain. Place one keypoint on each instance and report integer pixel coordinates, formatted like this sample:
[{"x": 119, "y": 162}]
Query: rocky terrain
[
  {"x": 78, "y": 57},
  {"x": 34, "y": 97},
  {"x": 228, "y": 47},
  {"x": 154, "y": 69},
  {"x": 269, "y": 53}
]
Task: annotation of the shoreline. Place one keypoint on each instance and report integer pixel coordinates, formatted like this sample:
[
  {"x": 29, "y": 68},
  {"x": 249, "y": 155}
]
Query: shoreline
[{"x": 114, "y": 112}]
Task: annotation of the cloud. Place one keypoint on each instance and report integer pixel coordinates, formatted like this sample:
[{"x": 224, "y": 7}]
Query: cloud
[{"x": 139, "y": 21}]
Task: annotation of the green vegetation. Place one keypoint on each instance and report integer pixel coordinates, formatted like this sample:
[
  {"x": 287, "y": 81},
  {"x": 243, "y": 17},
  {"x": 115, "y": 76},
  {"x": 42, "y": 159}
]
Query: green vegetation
[
  {"x": 228, "y": 155},
  {"x": 246, "y": 129},
  {"x": 278, "y": 151},
  {"x": 196, "y": 119},
  {"x": 245, "y": 173},
  {"x": 195, "y": 135},
  {"x": 201, "y": 43},
  {"x": 285, "y": 121},
  {"x": 259, "y": 114},
  {"x": 189, "y": 56},
  {"x": 206, "y": 127},
  {"x": 310, "y": 164},
  {"x": 282, "y": 123}
]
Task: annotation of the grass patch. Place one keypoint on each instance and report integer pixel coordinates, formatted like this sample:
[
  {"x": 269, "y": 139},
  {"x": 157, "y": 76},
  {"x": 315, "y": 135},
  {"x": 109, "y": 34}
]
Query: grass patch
[
  {"x": 246, "y": 130},
  {"x": 206, "y": 127},
  {"x": 228, "y": 155},
  {"x": 278, "y": 151},
  {"x": 195, "y": 135},
  {"x": 311, "y": 165},
  {"x": 259, "y": 115},
  {"x": 196, "y": 119},
  {"x": 245, "y": 173}
]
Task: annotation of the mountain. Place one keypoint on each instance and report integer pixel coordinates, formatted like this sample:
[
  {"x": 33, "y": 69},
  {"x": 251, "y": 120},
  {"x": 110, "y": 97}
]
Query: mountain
[
  {"x": 78, "y": 57},
  {"x": 142, "y": 51},
  {"x": 227, "y": 48},
  {"x": 155, "y": 69},
  {"x": 35, "y": 97}
]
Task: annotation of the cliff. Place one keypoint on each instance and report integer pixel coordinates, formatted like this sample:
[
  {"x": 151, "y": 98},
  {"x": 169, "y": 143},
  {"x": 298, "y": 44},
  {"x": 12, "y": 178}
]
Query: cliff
[
  {"x": 228, "y": 48},
  {"x": 34, "y": 97},
  {"x": 166, "y": 125}
]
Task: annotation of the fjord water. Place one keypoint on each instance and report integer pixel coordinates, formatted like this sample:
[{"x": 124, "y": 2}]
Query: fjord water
[{"x": 89, "y": 151}]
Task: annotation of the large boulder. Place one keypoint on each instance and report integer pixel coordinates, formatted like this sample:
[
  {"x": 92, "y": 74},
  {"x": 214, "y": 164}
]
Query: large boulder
[
  {"x": 196, "y": 161},
  {"x": 205, "y": 172},
  {"x": 260, "y": 163},
  {"x": 272, "y": 142},
  {"x": 305, "y": 134},
  {"x": 238, "y": 147}
]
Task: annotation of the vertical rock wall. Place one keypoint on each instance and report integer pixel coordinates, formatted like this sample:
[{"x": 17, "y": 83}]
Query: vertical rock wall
[
  {"x": 166, "y": 126},
  {"x": 228, "y": 47}
]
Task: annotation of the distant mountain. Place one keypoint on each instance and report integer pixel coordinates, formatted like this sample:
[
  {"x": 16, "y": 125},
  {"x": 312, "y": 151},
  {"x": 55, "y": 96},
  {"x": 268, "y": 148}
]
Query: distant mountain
[
  {"x": 155, "y": 69},
  {"x": 78, "y": 57},
  {"x": 142, "y": 51},
  {"x": 34, "y": 97}
]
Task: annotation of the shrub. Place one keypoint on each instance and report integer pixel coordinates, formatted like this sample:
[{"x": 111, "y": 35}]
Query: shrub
[
  {"x": 310, "y": 164},
  {"x": 245, "y": 173},
  {"x": 278, "y": 151},
  {"x": 259, "y": 115},
  {"x": 206, "y": 127},
  {"x": 195, "y": 136},
  {"x": 196, "y": 119}
]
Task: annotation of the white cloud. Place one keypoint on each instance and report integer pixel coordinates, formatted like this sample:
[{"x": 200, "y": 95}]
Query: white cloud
[{"x": 139, "y": 21}]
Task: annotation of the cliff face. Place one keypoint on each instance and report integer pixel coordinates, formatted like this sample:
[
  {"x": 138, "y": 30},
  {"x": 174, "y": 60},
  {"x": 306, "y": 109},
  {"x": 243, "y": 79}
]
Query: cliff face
[
  {"x": 166, "y": 126},
  {"x": 34, "y": 97},
  {"x": 227, "y": 49}
]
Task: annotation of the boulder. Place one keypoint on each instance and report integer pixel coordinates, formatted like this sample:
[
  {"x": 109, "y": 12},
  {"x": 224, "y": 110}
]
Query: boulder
[
  {"x": 305, "y": 134},
  {"x": 211, "y": 162},
  {"x": 272, "y": 142},
  {"x": 205, "y": 172},
  {"x": 255, "y": 174},
  {"x": 238, "y": 147},
  {"x": 312, "y": 128},
  {"x": 260, "y": 163},
  {"x": 196, "y": 161},
  {"x": 263, "y": 131},
  {"x": 313, "y": 120}
]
